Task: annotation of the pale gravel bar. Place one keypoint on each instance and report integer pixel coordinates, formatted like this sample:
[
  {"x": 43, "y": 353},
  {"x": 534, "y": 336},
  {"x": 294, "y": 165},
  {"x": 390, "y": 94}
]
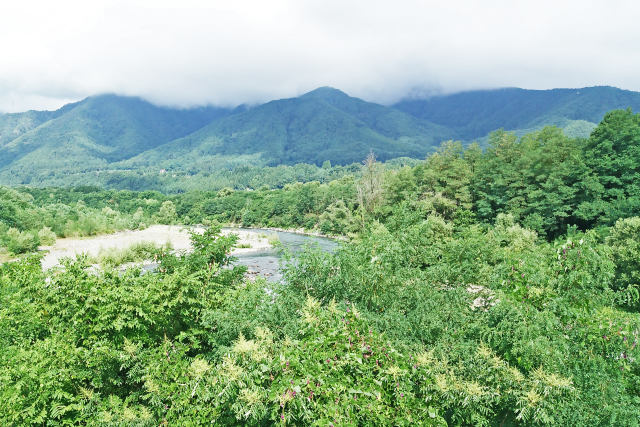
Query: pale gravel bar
[{"x": 176, "y": 235}]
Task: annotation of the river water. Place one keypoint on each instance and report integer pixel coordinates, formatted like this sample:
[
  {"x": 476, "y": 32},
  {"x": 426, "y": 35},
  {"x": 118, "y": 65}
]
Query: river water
[{"x": 266, "y": 262}]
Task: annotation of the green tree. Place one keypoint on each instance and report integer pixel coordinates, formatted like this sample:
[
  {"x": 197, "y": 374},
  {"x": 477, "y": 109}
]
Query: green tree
[
  {"x": 624, "y": 241},
  {"x": 540, "y": 179},
  {"x": 613, "y": 154},
  {"x": 447, "y": 172},
  {"x": 167, "y": 213},
  {"x": 496, "y": 176}
]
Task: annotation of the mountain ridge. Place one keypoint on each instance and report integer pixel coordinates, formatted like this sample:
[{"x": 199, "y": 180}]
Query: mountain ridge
[
  {"x": 112, "y": 132},
  {"x": 482, "y": 111},
  {"x": 311, "y": 128}
]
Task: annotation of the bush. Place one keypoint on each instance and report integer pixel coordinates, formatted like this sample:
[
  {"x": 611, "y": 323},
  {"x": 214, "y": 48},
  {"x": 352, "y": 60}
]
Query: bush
[
  {"x": 337, "y": 371},
  {"x": 166, "y": 214},
  {"x": 135, "y": 253},
  {"x": 18, "y": 242},
  {"x": 46, "y": 236}
]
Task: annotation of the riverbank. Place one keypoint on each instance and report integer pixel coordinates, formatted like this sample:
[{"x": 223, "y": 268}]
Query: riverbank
[
  {"x": 301, "y": 231},
  {"x": 175, "y": 236}
]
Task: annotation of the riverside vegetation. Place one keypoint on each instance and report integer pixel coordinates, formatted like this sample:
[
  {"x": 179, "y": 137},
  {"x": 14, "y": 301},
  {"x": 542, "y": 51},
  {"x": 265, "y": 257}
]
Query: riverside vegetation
[{"x": 496, "y": 287}]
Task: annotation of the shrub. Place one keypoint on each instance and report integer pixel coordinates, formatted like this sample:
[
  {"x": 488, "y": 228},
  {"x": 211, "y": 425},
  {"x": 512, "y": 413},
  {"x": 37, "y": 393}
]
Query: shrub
[
  {"x": 166, "y": 214},
  {"x": 19, "y": 242},
  {"x": 46, "y": 236}
]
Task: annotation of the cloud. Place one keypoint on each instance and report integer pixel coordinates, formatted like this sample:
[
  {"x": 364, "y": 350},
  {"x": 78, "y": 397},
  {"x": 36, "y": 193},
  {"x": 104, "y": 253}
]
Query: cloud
[{"x": 192, "y": 52}]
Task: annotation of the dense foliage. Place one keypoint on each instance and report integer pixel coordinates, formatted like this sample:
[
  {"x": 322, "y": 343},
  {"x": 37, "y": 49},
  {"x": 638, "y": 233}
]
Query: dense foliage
[
  {"x": 548, "y": 181},
  {"x": 477, "y": 288},
  {"x": 480, "y": 327}
]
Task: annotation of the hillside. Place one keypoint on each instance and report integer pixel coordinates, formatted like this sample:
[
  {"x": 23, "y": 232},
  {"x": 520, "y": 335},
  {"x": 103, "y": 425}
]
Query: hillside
[
  {"x": 14, "y": 125},
  {"x": 474, "y": 114},
  {"x": 325, "y": 124},
  {"x": 90, "y": 134},
  {"x": 126, "y": 142}
]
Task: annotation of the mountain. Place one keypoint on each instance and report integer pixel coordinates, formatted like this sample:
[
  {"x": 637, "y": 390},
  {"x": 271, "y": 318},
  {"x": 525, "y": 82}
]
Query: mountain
[
  {"x": 325, "y": 124},
  {"x": 109, "y": 139},
  {"x": 14, "y": 125},
  {"x": 474, "y": 114},
  {"x": 91, "y": 134}
]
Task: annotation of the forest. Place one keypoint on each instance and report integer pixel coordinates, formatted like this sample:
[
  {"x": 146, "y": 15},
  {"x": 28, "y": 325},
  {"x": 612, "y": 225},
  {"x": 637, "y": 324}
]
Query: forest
[{"x": 480, "y": 286}]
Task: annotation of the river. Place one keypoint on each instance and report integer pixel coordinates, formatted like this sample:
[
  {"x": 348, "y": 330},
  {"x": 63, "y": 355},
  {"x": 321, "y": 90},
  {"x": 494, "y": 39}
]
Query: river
[
  {"x": 255, "y": 252},
  {"x": 266, "y": 262}
]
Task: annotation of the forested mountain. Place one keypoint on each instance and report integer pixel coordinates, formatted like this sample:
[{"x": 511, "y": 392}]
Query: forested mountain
[
  {"x": 90, "y": 134},
  {"x": 14, "y": 125},
  {"x": 109, "y": 137},
  {"x": 474, "y": 114},
  {"x": 325, "y": 124}
]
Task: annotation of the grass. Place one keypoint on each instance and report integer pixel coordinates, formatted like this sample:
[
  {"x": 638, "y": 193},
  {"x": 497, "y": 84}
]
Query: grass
[{"x": 273, "y": 239}]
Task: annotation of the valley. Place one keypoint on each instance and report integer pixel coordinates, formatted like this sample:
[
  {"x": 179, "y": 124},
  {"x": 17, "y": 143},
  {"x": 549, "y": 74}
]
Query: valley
[
  {"x": 320, "y": 213},
  {"x": 484, "y": 284}
]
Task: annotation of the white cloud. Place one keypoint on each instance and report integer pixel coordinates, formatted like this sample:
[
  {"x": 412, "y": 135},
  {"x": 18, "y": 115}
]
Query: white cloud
[{"x": 190, "y": 52}]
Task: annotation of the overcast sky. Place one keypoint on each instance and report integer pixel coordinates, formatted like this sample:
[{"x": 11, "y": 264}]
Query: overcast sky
[{"x": 190, "y": 52}]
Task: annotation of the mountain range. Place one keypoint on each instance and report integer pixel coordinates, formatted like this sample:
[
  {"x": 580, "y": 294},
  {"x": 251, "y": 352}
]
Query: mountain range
[{"x": 110, "y": 132}]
